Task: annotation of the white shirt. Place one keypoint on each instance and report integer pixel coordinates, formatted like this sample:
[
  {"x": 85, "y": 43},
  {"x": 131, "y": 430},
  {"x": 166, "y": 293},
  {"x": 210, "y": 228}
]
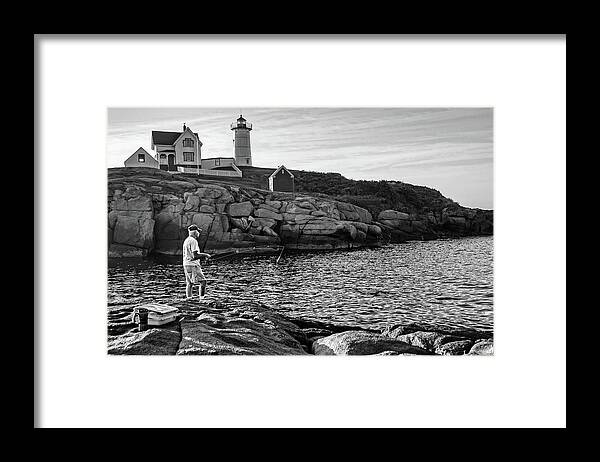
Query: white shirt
[{"x": 190, "y": 245}]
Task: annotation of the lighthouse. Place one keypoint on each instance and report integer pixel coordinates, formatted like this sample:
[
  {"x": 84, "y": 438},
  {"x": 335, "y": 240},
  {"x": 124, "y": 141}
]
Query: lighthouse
[{"x": 241, "y": 142}]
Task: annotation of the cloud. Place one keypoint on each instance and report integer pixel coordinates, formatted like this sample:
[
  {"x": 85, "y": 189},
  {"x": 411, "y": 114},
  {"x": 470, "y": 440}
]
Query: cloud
[{"x": 444, "y": 148}]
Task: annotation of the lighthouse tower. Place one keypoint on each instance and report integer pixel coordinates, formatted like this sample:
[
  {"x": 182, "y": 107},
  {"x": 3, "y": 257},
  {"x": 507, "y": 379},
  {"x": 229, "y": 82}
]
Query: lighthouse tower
[{"x": 241, "y": 142}]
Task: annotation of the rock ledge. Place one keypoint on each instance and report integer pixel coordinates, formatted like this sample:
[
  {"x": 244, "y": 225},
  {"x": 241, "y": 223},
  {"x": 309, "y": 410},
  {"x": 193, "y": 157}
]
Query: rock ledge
[{"x": 252, "y": 328}]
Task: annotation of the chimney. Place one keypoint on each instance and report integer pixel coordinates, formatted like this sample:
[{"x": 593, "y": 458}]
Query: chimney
[{"x": 184, "y": 127}]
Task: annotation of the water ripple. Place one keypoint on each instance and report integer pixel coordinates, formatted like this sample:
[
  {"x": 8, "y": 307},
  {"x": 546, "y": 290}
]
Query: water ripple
[{"x": 442, "y": 283}]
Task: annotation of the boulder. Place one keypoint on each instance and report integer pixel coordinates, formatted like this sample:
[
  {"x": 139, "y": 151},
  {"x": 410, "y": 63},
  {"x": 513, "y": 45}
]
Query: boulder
[
  {"x": 361, "y": 343},
  {"x": 298, "y": 218},
  {"x": 349, "y": 215},
  {"x": 191, "y": 204},
  {"x": 482, "y": 348},
  {"x": 211, "y": 192},
  {"x": 224, "y": 219},
  {"x": 459, "y": 347},
  {"x": 265, "y": 222},
  {"x": 393, "y": 215},
  {"x": 402, "y": 225},
  {"x": 167, "y": 226},
  {"x": 360, "y": 226},
  {"x": 137, "y": 232},
  {"x": 243, "y": 332},
  {"x": 307, "y": 204},
  {"x": 295, "y": 209},
  {"x": 427, "y": 340},
  {"x": 276, "y": 205},
  {"x": 350, "y": 229},
  {"x": 269, "y": 232},
  {"x": 241, "y": 209},
  {"x": 264, "y": 205},
  {"x": 266, "y": 213},
  {"x": 374, "y": 230},
  {"x": 173, "y": 207},
  {"x": 206, "y": 209},
  {"x": 138, "y": 203},
  {"x": 112, "y": 218},
  {"x": 204, "y": 222},
  {"x": 330, "y": 209},
  {"x": 353, "y": 213},
  {"x": 237, "y": 234},
  {"x": 241, "y": 223},
  {"x": 163, "y": 341}
]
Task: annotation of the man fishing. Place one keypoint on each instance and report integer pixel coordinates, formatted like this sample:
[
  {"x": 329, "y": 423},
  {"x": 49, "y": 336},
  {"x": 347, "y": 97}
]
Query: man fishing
[{"x": 191, "y": 263}]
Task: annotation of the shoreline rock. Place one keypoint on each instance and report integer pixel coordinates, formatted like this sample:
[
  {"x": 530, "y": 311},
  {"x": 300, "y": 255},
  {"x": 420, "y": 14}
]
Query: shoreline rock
[
  {"x": 252, "y": 328},
  {"x": 362, "y": 343}
]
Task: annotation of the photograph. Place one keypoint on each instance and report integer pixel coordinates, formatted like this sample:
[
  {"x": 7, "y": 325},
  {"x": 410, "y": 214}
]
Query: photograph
[
  {"x": 300, "y": 231},
  {"x": 306, "y": 231}
]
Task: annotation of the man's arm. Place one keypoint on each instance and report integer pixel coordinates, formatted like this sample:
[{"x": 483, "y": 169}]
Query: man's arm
[{"x": 196, "y": 251}]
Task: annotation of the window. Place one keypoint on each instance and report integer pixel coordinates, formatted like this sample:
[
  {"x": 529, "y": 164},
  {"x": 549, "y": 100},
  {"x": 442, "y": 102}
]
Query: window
[
  {"x": 163, "y": 156},
  {"x": 217, "y": 161},
  {"x": 188, "y": 143},
  {"x": 247, "y": 161},
  {"x": 188, "y": 157},
  {"x": 141, "y": 158}
]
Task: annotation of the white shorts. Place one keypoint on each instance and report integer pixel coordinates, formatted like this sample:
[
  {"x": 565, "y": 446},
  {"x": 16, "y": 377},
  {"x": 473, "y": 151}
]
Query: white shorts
[{"x": 193, "y": 274}]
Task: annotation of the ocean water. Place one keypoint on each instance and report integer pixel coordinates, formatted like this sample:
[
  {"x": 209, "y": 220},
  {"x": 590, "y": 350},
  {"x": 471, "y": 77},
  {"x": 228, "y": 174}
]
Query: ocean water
[{"x": 441, "y": 283}]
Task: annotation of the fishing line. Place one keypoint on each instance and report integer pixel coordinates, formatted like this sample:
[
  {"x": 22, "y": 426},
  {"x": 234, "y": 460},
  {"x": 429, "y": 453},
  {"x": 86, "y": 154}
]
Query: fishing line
[
  {"x": 297, "y": 239},
  {"x": 208, "y": 234}
]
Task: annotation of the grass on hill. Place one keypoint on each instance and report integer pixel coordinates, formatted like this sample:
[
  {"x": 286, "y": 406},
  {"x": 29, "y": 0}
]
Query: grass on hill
[{"x": 372, "y": 195}]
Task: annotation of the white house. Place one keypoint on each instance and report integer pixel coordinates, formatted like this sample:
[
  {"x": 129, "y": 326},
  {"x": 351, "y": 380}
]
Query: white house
[
  {"x": 141, "y": 158},
  {"x": 182, "y": 152},
  {"x": 177, "y": 149}
]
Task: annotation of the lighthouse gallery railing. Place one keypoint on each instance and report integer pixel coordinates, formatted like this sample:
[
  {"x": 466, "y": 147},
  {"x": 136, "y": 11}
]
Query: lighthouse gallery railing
[{"x": 236, "y": 125}]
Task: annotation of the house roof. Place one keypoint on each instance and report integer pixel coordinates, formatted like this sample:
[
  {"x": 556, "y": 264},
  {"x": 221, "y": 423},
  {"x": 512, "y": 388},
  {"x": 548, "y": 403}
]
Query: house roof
[
  {"x": 280, "y": 168},
  {"x": 141, "y": 150},
  {"x": 159, "y": 137}
]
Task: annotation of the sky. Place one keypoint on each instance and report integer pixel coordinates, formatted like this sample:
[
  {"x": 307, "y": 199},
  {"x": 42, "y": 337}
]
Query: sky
[{"x": 448, "y": 149}]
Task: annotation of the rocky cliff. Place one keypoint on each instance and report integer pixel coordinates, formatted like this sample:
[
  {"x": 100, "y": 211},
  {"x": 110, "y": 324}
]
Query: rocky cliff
[
  {"x": 149, "y": 211},
  {"x": 406, "y": 211}
]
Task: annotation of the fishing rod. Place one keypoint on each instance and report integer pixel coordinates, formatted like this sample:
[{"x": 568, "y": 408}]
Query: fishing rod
[
  {"x": 297, "y": 239},
  {"x": 224, "y": 255},
  {"x": 280, "y": 254},
  {"x": 208, "y": 234}
]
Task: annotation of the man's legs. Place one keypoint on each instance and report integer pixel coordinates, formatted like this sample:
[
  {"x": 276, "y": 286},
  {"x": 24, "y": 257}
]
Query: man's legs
[
  {"x": 188, "y": 283},
  {"x": 202, "y": 283}
]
